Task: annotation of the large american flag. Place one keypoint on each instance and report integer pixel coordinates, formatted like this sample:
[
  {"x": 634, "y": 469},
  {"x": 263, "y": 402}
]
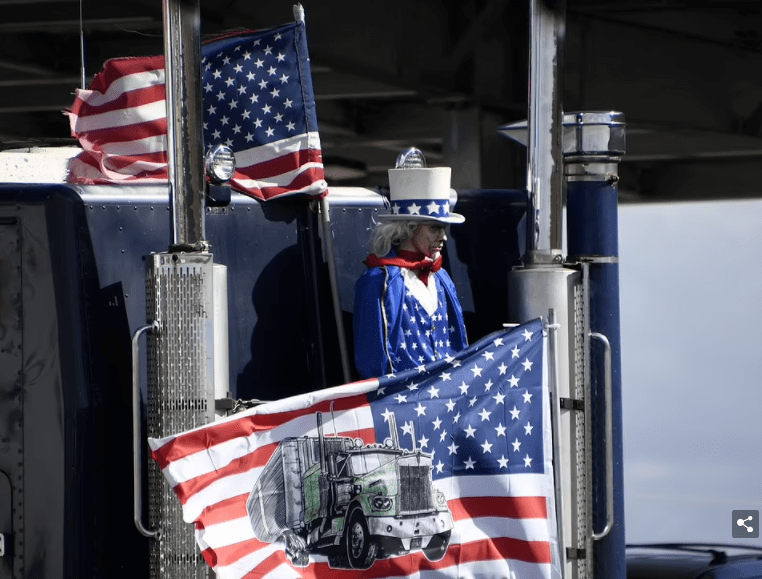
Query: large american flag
[
  {"x": 257, "y": 99},
  {"x": 483, "y": 415}
]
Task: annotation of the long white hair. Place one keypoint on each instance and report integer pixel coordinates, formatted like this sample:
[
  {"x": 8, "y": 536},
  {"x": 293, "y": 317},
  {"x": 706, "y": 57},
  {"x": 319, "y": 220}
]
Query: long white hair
[{"x": 391, "y": 234}]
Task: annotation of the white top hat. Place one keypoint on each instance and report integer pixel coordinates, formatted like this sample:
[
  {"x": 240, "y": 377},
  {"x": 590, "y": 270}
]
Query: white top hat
[{"x": 420, "y": 194}]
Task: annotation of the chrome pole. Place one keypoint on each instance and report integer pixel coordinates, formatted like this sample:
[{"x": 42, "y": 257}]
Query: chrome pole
[
  {"x": 544, "y": 156},
  {"x": 185, "y": 154}
]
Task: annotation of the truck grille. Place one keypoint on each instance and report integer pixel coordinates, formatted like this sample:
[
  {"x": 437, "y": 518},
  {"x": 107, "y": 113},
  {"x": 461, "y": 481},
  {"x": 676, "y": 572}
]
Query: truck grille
[{"x": 415, "y": 489}]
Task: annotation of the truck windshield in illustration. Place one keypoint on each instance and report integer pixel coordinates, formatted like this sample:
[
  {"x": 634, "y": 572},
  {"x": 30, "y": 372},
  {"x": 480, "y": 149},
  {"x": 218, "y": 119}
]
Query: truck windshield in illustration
[{"x": 351, "y": 502}]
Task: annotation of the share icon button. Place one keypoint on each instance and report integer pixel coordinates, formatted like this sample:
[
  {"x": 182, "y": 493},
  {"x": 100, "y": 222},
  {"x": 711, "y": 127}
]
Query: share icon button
[{"x": 745, "y": 524}]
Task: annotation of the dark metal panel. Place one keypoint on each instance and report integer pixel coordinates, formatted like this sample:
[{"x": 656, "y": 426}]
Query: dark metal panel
[{"x": 11, "y": 400}]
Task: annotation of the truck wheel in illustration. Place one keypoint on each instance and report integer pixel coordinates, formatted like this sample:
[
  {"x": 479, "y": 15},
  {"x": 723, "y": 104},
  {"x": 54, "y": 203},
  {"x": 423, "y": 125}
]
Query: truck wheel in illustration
[
  {"x": 361, "y": 549},
  {"x": 437, "y": 547}
]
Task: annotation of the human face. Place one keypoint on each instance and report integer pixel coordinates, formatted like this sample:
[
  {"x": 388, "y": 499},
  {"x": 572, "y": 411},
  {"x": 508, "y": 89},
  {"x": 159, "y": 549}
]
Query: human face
[{"x": 429, "y": 239}]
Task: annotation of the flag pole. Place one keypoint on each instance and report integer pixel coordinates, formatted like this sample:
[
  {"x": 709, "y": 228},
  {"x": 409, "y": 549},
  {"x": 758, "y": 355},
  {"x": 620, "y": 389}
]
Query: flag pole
[{"x": 325, "y": 212}]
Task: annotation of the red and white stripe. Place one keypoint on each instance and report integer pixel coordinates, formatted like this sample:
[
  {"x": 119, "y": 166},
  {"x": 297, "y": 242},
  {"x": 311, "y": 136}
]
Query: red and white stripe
[
  {"x": 503, "y": 523},
  {"x": 121, "y": 125}
]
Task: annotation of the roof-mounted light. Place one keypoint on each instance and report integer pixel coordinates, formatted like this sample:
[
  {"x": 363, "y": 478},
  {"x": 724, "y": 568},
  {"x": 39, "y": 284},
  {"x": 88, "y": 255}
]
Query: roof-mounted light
[
  {"x": 411, "y": 158},
  {"x": 220, "y": 164}
]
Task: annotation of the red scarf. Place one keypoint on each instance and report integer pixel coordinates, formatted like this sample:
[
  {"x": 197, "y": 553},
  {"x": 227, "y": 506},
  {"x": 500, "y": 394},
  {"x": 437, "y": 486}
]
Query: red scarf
[{"x": 414, "y": 260}]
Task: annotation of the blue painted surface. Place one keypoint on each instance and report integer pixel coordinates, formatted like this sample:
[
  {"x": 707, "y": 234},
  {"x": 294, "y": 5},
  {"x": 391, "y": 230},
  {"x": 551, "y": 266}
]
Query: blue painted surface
[{"x": 592, "y": 231}]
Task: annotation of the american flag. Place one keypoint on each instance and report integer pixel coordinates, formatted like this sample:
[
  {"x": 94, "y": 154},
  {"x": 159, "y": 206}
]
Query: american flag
[
  {"x": 483, "y": 418},
  {"x": 257, "y": 99}
]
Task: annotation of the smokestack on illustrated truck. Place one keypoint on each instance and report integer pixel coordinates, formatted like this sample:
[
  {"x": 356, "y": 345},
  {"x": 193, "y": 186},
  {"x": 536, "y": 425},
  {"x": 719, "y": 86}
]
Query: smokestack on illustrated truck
[{"x": 352, "y": 502}]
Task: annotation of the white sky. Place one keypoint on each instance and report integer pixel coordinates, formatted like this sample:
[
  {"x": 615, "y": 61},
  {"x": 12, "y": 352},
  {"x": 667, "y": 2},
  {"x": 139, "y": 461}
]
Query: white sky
[{"x": 691, "y": 317}]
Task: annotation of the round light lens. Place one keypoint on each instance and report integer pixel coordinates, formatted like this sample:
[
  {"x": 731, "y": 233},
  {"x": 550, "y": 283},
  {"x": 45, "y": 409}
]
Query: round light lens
[{"x": 220, "y": 164}]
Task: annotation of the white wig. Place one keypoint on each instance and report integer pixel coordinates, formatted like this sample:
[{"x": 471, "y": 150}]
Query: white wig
[{"x": 391, "y": 234}]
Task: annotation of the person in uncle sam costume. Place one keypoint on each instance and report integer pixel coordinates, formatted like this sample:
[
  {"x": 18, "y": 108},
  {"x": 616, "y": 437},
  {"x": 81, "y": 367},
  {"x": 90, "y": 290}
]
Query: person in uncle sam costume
[{"x": 407, "y": 312}]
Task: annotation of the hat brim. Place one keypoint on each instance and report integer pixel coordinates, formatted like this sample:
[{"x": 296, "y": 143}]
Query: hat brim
[{"x": 453, "y": 218}]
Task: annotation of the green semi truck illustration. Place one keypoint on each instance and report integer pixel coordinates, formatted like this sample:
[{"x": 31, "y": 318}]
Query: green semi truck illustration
[{"x": 351, "y": 502}]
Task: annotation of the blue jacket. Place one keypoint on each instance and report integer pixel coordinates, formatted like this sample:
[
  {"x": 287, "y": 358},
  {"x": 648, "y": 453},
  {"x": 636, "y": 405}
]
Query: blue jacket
[{"x": 409, "y": 338}]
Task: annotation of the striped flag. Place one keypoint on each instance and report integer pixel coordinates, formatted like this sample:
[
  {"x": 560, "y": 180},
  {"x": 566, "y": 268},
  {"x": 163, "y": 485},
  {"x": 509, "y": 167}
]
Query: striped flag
[
  {"x": 257, "y": 99},
  {"x": 440, "y": 471}
]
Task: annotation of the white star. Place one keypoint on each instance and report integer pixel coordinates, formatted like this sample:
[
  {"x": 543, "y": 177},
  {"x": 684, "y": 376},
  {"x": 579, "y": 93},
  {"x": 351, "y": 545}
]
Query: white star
[
  {"x": 515, "y": 413},
  {"x": 503, "y": 368},
  {"x": 450, "y": 406},
  {"x": 487, "y": 447},
  {"x": 270, "y": 132},
  {"x": 527, "y": 397},
  {"x": 487, "y": 385},
  {"x": 527, "y": 364},
  {"x": 476, "y": 370},
  {"x": 380, "y": 391},
  {"x": 275, "y": 92},
  {"x": 208, "y": 87},
  {"x": 433, "y": 392},
  {"x": 407, "y": 428},
  {"x": 498, "y": 342},
  {"x": 254, "y": 98},
  {"x": 503, "y": 462},
  {"x": 226, "y": 60},
  {"x": 412, "y": 386},
  {"x": 263, "y": 84},
  {"x": 516, "y": 445},
  {"x": 217, "y": 74},
  {"x": 469, "y": 463},
  {"x": 445, "y": 376},
  {"x": 423, "y": 442},
  {"x": 291, "y": 126},
  {"x": 421, "y": 368},
  {"x": 220, "y": 96},
  {"x": 485, "y": 414},
  {"x": 242, "y": 89},
  {"x": 420, "y": 409},
  {"x": 515, "y": 352},
  {"x": 437, "y": 423},
  {"x": 386, "y": 414},
  {"x": 488, "y": 356},
  {"x": 527, "y": 461},
  {"x": 470, "y": 431},
  {"x": 472, "y": 402},
  {"x": 236, "y": 129},
  {"x": 499, "y": 398},
  {"x": 456, "y": 418},
  {"x": 433, "y": 207},
  {"x": 216, "y": 135},
  {"x": 453, "y": 448},
  {"x": 281, "y": 57},
  {"x": 287, "y": 103},
  {"x": 284, "y": 79},
  {"x": 528, "y": 429},
  {"x": 229, "y": 81},
  {"x": 514, "y": 381},
  {"x": 527, "y": 335},
  {"x": 500, "y": 429},
  {"x": 247, "y": 55},
  {"x": 266, "y": 109},
  {"x": 400, "y": 398},
  {"x": 258, "y": 123},
  {"x": 439, "y": 466},
  {"x": 211, "y": 110},
  {"x": 251, "y": 76},
  {"x": 414, "y": 209},
  {"x": 259, "y": 63},
  {"x": 463, "y": 388},
  {"x": 443, "y": 436}
]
